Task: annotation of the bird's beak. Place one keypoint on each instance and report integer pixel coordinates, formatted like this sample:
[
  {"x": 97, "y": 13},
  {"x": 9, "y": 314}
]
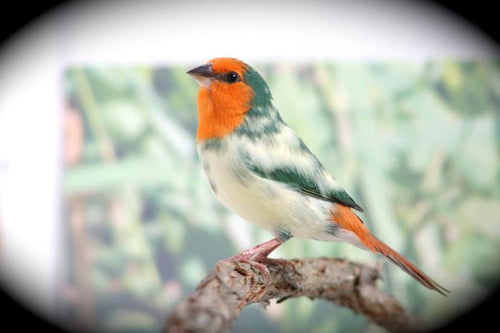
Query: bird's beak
[{"x": 202, "y": 74}]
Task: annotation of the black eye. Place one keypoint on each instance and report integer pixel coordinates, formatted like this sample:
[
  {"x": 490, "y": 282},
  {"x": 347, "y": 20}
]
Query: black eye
[{"x": 231, "y": 77}]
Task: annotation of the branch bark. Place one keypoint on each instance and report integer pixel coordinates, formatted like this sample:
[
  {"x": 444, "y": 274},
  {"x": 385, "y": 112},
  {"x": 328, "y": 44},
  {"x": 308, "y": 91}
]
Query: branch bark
[{"x": 231, "y": 285}]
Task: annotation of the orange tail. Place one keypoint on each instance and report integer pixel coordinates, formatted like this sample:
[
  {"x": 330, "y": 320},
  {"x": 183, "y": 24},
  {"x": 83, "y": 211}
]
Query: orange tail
[
  {"x": 346, "y": 218},
  {"x": 376, "y": 245}
]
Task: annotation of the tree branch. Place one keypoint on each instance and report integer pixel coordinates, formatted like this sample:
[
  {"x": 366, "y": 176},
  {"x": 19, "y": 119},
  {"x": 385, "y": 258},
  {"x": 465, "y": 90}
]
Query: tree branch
[{"x": 219, "y": 298}]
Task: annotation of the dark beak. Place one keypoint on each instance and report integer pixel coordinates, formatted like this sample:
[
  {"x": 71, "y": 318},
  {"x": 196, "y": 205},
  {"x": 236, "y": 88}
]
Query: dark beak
[
  {"x": 203, "y": 75},
  {"x": 203, "y": 70}
]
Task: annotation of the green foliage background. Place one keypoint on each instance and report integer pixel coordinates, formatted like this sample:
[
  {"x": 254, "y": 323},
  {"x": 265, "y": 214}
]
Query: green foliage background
[{"x": 416, "y": 144}]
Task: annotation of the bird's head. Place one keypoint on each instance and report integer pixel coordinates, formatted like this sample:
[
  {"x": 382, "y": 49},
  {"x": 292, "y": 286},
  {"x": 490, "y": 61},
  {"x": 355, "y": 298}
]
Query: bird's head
[{"x": 229, "y": 88}]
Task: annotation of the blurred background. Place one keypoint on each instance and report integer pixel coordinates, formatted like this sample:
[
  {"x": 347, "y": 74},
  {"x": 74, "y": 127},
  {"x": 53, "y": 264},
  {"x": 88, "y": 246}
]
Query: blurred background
[{"x": 107, "y": 221}]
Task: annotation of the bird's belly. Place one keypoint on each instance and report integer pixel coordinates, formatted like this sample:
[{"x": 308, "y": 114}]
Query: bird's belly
[{"x": 268, "y": 204}]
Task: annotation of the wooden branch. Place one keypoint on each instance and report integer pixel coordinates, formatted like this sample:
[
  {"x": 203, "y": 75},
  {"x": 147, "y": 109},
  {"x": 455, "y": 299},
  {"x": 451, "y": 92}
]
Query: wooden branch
[{"x": 219, "y": 298}]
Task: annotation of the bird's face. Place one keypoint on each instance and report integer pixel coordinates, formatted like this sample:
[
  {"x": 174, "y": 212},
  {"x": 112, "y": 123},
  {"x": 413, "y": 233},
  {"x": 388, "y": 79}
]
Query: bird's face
[
  {"x": 225, "y": 96},
  {"x": 221, "y": 73},
  {"x": 223, "y": 79}
]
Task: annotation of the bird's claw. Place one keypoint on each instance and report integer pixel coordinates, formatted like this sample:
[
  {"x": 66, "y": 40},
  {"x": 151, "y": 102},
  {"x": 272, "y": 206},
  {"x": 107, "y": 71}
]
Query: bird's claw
[
  {"x": 253, "y": 263},
  {"x": 257, "y": 256}
]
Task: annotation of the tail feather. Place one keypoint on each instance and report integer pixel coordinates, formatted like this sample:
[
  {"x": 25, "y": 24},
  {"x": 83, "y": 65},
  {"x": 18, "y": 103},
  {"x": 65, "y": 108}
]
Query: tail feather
[
  {"x": 348, "y": 220},
  {"x": 377, "y": 245}
]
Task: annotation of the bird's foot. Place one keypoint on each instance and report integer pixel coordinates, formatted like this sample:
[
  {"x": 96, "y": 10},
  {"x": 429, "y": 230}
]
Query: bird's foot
[
  {"x": 254, "y": 264},
  {"x": 257, "y": 255}
]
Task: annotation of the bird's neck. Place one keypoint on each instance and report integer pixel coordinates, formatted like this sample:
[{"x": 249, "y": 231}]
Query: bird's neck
[{"x": 220, "y": 112}]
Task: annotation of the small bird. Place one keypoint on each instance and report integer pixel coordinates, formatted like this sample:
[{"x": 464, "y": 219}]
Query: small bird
[{"x": 259, "y": 168}]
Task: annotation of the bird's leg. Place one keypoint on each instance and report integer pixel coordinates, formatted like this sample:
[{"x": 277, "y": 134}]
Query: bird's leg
[
  {"x": 260, "y": 251},
  {"x": 258, "y": 254}
]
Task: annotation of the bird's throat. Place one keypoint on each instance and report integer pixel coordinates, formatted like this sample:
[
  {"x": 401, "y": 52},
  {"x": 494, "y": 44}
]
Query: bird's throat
[{"x": 221, "y": 109}]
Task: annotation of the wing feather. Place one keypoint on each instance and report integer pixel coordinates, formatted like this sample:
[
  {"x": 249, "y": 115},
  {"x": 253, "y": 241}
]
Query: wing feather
[{"x": 284, "y": 157}]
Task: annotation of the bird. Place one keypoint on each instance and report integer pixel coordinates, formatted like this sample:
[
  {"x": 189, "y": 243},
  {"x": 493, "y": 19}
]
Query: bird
[{"x": 260, "y": 169}]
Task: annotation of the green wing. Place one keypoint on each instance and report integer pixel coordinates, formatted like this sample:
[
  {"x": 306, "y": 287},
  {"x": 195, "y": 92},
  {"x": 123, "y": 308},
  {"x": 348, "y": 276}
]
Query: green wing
[
  {"x": 309, "y": 182},
  {"x": 272, "y": 150}
]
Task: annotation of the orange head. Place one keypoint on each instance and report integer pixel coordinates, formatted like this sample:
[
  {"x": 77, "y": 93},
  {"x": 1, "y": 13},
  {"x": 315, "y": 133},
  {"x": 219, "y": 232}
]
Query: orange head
[{"x": 229, "y": 88}]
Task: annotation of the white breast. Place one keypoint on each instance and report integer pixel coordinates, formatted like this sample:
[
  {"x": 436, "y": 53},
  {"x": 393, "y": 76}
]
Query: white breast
[{"x": 269, "y": 204}]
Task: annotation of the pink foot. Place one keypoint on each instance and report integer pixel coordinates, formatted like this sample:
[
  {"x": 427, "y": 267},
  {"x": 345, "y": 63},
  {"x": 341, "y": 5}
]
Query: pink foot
[
  {"x": 261, "y": 267},
  {"x": 258, "y": 255}
]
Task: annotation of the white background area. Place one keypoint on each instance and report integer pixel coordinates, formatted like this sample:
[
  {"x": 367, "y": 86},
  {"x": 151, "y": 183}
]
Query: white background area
[{"x": 161, "y": 33}]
